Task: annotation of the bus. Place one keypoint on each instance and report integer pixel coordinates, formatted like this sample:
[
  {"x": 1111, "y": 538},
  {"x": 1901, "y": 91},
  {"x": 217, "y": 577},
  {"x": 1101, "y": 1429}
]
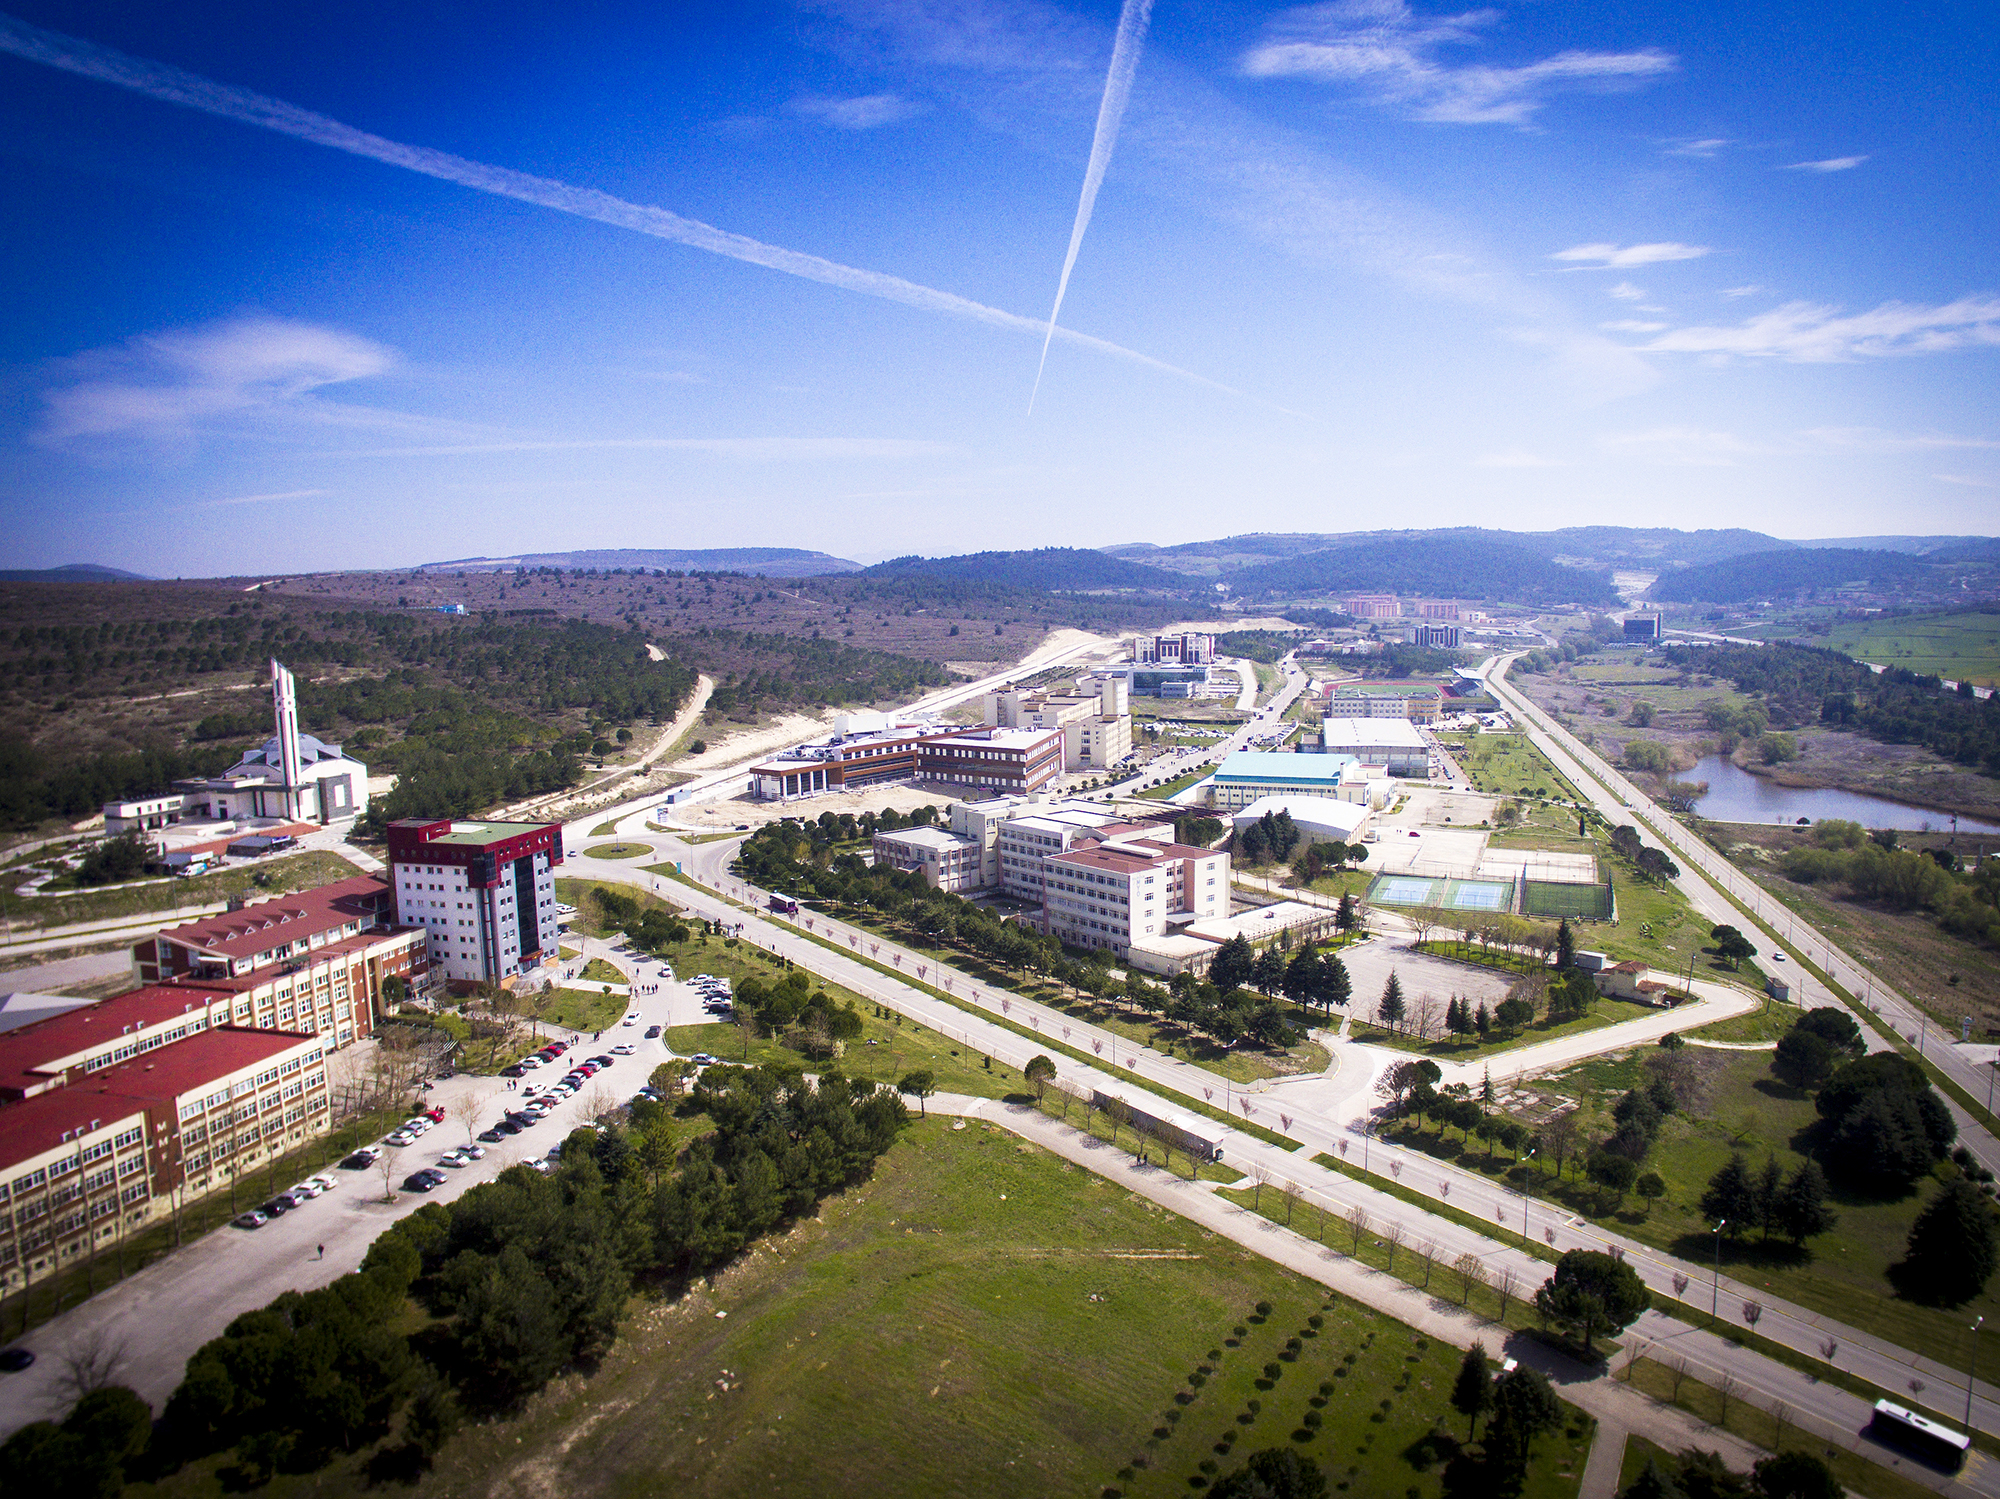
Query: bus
[
  {"x": 1919, "y": 1436},
  {"x": 784, "y": 905}
]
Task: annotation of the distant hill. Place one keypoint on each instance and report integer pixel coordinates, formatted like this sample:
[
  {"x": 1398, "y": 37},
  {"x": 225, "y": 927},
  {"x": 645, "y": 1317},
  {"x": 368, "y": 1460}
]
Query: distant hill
[
  {"x": 1473, "y": 565},
  {"x": 1966, "y": 549},
  {"x": 767, "y": 562},
  {"x": 1930, "y": 546},
  {"x": 1781, "y": 574},
  {"x": 1596, "y": 546},
  {"x": 71, "y": 572},
  {"x": 1052, "y": 569}
]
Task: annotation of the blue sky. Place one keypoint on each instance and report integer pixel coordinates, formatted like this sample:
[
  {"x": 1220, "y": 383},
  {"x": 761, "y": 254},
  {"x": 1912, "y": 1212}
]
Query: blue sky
[{"x": 1353, "y": 265}]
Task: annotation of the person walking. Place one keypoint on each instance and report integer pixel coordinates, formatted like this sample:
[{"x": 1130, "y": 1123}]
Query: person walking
[{"x": 322, "y": 1251}]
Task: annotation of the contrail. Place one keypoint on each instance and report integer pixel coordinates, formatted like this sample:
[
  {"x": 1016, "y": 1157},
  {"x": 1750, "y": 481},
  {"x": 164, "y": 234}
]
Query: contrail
[
  {"x": 176, "y": 86},
  {"x": 1132, "y": 23}
]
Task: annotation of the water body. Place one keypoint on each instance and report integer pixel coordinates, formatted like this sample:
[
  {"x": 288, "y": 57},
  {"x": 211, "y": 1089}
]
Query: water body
[{"x": 1734, "y": 795}]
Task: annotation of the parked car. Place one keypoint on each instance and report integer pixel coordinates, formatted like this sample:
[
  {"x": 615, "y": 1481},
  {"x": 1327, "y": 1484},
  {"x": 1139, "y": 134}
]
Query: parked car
[
  {"x": 513, "y": 1069},
  {"x": 472, "y": 1152},
  {"x": 541, "y": 1164},
  {"x": 420, "y": 1181},
  {"x": 508, "y": 1127},
  {"x": 622, "y": 1051},
  {"x": 702, "y": 1059},
  {"x": 327, "y": 1183},
  {"x": 363, "y": 1158},
  {"x": 454, "y": 1159},
  {"x": 277, "y": 1207},
  {"x": 251, "y": 1219},
  {"x": 435, "y": 1115},
  {"x": 305, "y": 1191},
  {"x": 399, "y": 1139},
  {"x": 493, "y": 1136}
]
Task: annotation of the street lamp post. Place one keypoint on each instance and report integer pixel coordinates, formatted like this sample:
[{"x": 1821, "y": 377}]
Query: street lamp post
[
  {"x": 1972, "y": 1373},
  {"x": 1528, "y": 1196},
  {"x": 1715, "y": 1302}
]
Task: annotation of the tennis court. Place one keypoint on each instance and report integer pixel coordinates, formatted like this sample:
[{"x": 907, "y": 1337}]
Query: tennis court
[
  {"x": 1578, "y": 902},
  {"x": 1406, "y": 890},
  {"x": 1449, "y": 895},
  {"x": 1479, "y": 895}
]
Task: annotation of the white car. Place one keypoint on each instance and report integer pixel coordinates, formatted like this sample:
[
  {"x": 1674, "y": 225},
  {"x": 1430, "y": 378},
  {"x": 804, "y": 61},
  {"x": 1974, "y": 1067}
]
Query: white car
[
  {"x": 306, "y": 1189},
  {"x": 529, "y": 1062},
  {"x": 622, "y": 1051},
  {"x": 452, "y": 1158},
  {"x": 399, "y": 1139}
]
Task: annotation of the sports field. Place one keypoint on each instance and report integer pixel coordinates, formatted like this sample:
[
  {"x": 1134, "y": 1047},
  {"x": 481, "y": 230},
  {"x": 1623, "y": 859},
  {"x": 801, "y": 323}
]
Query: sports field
[
  {"x": 1582, "y": 902},
  {"x": 1450, "y": 895}
]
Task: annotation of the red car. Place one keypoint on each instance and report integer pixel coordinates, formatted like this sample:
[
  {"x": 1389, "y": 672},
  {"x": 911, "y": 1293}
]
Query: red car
[{"x": 436, "y": 1116}]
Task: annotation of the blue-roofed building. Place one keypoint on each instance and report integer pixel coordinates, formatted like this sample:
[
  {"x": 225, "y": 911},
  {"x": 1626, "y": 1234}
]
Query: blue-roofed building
[{"x": 1247, "y": 775}]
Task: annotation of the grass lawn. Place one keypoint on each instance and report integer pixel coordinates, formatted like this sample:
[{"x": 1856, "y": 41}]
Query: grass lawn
[
  {"x": 583, "y": 1009},
  {"x": 1766, "y": 1023},
  {"x": 589, "y": 919},
  {"x": 598, "y": 971},
  {"x": 884, "y": 1051},
  {"x": 1020, "y": 1327},
  {"x": 162, "y": 898},
  {"x": 1843, "y": 1274},
  {"x": 1606, "y": 1011},
  {"x": 618, "y": 850},
  {"x": 1177, "y": 785},
  {"x": 605, "y": 829},
  {"x": 1509, "y": 764},
  {"x": 1961, "y": 647}
]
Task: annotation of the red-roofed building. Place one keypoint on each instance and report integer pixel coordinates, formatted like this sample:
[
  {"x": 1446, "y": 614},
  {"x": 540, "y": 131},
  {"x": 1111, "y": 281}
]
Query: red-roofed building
[
  {"x": 95, "y": 1153},
  {"x": 1130, "y": 887},
  {"x": 314, "y": 961}
]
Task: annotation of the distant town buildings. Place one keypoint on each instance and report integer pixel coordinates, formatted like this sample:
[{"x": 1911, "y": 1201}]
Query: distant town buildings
[
  {"x": 1375, "y": 606},
  {"x": 483, "y": 892}
]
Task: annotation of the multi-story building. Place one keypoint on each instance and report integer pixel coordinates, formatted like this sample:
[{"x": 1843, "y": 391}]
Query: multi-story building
[
  {"x": 1435, "y": 609},
  {"x": 1247, "y": 776},
  {"x": 1395, "y": 744},
  {"x": 92, "y": 1149},
  {"x": 1095, "y": 719},
  {"x": 866, "y": 751},
  {"x": 1440, "y": 637},
  {"x": 1129, "y": 887},
  {"x": 946, "y": 860},
  {"x": 316, "y": 961},
  {"x": 1375, "y": 606},
  {"x": 1420, "y": 704},
  {"x": 1644, "y": 627},
  {"x": 484, "y": 893},
  {"x": 1185, "y": 649}
]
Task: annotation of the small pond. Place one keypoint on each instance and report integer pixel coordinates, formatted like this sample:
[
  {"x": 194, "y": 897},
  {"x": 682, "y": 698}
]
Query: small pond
[{"x": 1734, "y": 795}]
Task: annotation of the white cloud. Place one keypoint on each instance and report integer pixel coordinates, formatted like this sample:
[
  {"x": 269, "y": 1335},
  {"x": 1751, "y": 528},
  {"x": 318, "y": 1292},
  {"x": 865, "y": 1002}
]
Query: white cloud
[
  {"x": 1739, "y": 291},
  {"x": 1617, "y": 257},
  {"x": 865, "y": 112},
  {"x": 170, "y": 386},
  {"x": 1832, "y": 164},
  {"x": 1684, "y": 447},
  {"x": 1625, "y": 291},
  {"x": 1970, "y": 481},
  {"x": 1516, "y": 458},
  {"x": 756, "y": 448},
  {"x": 1806, "y": 333},
  {"x": 1703, "y": 150},
  {"x": 1876, "y": 440},
  {"x": 1385, "y": 47},
  {"x": 1632, "y": 325}
]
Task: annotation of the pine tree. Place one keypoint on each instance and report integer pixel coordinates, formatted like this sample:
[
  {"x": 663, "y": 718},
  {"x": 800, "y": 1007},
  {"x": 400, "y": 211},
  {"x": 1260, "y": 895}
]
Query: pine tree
[
  {"x": 1731, "y": 1197},
  {"x": 1481, "y": 1021},
  {"x": 1392, "y": 1001},
  {"x": 1801, "y": 1209},
  {"x": 1454, "y": 1016},
  {"x": 1345, "y": 917},
  {"x": 1953, "y": 1246},
  {"x": 1565, "y": 945},
  {"x": 1472, "y": 1391},
  {"x": 1770, "y": 1186},
  {"x": 1336, "y": 985},
  {"x": 1486, "y": 1081}
]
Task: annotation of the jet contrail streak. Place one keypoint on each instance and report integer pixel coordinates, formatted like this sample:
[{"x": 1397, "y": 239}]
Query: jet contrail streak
[
  {"x": 1132, "y": 23},
  {"x": 176, "y": 86}
]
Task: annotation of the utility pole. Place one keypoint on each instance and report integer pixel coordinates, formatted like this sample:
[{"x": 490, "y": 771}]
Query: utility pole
[
  {"x": 1972, "y": 1373},
  {"x": 1715, "y": 1301}
]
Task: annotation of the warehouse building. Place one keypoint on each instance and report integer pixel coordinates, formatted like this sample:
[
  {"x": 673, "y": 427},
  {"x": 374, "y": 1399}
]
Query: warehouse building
[{"x": 1395, "y": 744}]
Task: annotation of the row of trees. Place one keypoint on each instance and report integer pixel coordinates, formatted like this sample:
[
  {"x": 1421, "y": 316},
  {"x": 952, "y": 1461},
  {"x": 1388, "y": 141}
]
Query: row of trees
[{"x": 525, "y": 1275}]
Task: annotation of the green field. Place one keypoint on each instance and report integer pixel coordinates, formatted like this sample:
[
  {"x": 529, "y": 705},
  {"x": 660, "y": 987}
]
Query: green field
[
  {"x": 1745, "y": 1109},
  {"x": 618, "y": 850},
  {"x": 982, "y": 1319},
  {"x": 598, "y": 971},
  {"x": 1605, "y": 1012},
  {"x": 1961, "y": 647},
  {"x": 1509, "y": 765},
  {"x": 583, "y": 1009}
]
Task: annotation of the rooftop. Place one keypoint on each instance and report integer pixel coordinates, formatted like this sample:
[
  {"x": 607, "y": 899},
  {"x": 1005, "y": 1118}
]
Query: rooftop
[
  {"x": 190, "y": 1064},
  {"x": 479, "y": 834},
  {"x": 28, "y": 1052},
  {"x": 1372, "y": 733},
  {"x": 1289, "y": 769},
  {"x": 1309, "y": 812},
  {"x": 1123, "y": 858},
  {"x": 284, "y": 918},
  {"x": 939, "y": 838},
  {"x": 39, "y": 1124}
]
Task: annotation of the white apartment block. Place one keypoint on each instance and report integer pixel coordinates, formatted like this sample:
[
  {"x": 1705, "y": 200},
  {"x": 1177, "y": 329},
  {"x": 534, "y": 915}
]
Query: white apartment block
[{"x": 485, "y": 892}]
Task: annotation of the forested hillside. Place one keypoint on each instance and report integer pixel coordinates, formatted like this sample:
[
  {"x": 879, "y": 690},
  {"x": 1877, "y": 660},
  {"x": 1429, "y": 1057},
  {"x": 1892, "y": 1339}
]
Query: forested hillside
[
  {"x": 1060, "y": 569},
  {"x": 1763, "y": 575},
  {"x": 1453, "y": 564}
]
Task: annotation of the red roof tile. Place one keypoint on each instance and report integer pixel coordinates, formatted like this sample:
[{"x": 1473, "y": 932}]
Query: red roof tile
[{"x": 285, "y": 918}]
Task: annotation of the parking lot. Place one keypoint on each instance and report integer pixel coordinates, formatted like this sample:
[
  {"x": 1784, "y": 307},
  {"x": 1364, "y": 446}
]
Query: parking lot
[{"x": 159, "y": 1316}]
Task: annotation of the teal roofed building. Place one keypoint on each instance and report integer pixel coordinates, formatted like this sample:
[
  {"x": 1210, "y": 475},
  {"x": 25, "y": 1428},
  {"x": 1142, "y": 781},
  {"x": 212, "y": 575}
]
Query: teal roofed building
[{"x": 1247, "y": 775}]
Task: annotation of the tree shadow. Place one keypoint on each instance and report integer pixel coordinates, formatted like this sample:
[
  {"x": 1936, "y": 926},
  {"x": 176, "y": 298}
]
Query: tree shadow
[{"x": 1757, "y": 1254}]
